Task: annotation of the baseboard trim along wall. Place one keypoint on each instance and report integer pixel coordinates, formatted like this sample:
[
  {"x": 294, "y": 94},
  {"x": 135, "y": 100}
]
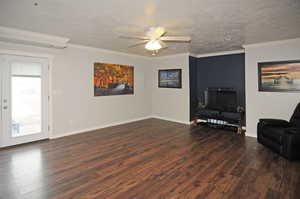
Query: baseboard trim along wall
[
  {"x": 171, "y": 120},
  {"x": 250, "y": 135},
  {"x": 125, "y": 122},
  {"x": 114, "y": 124},
  {"x": 98, "y": 127}
]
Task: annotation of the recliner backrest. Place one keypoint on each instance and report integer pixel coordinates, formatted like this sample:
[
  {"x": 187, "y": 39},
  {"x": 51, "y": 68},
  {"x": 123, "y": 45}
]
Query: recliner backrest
[{"x": 295, "y": 119}]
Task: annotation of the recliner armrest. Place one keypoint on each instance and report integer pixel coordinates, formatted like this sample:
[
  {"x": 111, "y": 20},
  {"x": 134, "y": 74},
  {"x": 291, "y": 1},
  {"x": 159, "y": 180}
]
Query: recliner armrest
[
  {"x": 275, "y": 122},
  {"x": 293, "y": 131}
]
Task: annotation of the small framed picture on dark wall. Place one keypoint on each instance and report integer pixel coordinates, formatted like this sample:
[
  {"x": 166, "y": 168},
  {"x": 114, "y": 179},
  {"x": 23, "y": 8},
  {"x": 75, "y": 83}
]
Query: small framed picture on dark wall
[
  {"x": 282, "y": 76},
  {"x": 169, "y": 78}
]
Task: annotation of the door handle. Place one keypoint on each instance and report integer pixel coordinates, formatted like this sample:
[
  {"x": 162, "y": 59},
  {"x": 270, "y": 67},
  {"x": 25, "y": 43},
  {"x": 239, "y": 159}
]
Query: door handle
[{"x": 5, "y": 107}]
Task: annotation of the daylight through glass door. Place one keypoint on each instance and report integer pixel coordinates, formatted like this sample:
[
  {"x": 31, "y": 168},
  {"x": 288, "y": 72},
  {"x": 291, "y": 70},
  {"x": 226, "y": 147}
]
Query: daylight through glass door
[{"x": 26, "y": 99}]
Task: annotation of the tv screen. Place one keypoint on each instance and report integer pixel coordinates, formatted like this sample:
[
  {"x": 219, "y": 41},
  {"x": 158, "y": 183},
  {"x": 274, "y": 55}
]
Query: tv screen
[{"x": 222, "y": 100}]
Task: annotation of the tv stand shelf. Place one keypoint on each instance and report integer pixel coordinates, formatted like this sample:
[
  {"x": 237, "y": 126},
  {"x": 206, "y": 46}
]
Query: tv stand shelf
[{"x": 219, "y": 119}]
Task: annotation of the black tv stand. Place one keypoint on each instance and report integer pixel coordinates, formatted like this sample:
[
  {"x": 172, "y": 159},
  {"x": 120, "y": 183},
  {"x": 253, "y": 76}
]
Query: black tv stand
[{"x": 219, "y": 119}]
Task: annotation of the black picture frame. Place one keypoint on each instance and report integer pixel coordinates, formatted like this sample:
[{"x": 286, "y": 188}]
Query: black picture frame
[
  {"x": 284, "y": 69},
  {"x": 177, "y": 83}
]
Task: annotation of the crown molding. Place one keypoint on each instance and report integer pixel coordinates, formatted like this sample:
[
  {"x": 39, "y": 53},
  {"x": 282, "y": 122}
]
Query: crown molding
[
  {"x": 18, "y": 36},
  {"x": 95, "y": 49},
  {"x": 170, "y": 56},
  {"x": 271, "y": 43},
  {"x": 83, "y": 47},
  {"x": 231, "y": 52},
  {"x": 20, "y": 49},
  {"x": 193, "y": 55}
]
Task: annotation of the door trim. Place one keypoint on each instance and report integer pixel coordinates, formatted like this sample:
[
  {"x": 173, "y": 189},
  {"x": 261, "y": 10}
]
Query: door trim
[{"x": 50, "y": 59}]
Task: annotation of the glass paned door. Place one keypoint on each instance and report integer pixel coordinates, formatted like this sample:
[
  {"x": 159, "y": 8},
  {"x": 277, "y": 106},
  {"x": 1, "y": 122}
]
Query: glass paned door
[{"x": 24, "y": 99}]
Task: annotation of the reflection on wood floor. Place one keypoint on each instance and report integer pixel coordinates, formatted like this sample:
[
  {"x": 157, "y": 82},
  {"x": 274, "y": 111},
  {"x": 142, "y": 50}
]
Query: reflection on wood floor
[{"x": 147, "y": 159}]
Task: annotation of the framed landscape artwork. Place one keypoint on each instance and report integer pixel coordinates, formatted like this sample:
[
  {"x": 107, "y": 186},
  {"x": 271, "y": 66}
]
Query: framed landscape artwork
[
  {"x": 170, "y": 78},
  {"x": 113, "y": 79},
  {"x": 283, "y": 76}
]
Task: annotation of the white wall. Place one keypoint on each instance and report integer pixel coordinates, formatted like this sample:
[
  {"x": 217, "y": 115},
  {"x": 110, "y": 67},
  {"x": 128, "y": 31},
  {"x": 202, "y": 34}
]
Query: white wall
[
  {"x": 74, "y": 108},
  {"x": 74, "y": 104},
  {"x": 167, "y": 103},
  {"x": 268, "y": 104}
]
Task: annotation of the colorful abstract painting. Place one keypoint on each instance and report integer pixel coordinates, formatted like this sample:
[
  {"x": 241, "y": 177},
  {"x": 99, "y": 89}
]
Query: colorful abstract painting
[
  {"x": 113, "y": 79},
  {"x": 281, "y": 76},
  {"x": 170, "y": 78}
]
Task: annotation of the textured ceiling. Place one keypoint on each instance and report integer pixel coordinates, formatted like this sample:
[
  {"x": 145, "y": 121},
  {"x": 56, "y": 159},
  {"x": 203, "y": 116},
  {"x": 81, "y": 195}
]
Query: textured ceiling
[{"x": 214, "y": 25}]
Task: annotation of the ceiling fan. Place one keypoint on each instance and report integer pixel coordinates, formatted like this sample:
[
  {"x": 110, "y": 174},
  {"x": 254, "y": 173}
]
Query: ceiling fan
[{"x": 155, "y": 39}]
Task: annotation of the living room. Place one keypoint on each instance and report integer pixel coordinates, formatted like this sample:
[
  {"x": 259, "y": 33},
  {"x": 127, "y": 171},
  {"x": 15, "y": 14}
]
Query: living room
[{"x": 88, "y": 111}]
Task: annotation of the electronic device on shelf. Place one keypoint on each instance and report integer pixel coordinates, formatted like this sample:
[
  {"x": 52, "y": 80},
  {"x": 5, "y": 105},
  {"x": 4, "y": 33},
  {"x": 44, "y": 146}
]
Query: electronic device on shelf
[
  {"x": 220, "y": 108},
  {"x": 221, "y": 99}
]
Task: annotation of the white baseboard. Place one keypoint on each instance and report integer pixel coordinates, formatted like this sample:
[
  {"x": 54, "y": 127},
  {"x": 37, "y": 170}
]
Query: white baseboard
[
  {"x": 98, "y": 127},
  {"x": 250, "y": 135},
  {"x": 115, "y": 124},
  {"x": 125, "y": 122},
  {"x": 172, "y": 120}
]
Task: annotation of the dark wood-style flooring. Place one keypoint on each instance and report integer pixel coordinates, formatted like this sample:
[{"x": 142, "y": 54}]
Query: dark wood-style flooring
[{"x": 147, "y": 159}]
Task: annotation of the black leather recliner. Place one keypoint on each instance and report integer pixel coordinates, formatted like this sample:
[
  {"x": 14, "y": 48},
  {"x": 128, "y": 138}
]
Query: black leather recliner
[{"x": 281, "y": 136}]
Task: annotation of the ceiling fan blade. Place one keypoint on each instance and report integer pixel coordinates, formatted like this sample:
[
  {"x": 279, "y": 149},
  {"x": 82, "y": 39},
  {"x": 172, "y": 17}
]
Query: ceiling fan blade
[
  {"x": 134, "y": 37},
  {"x": 155, "y": 32},
  {"x": 138, "y": 44},
  {"x": 176, "y": 38},
  {"x": 163, "y": 44}
]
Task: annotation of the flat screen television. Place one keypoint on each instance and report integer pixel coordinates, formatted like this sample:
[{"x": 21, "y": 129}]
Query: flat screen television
[{"x": 221, "y": 99}]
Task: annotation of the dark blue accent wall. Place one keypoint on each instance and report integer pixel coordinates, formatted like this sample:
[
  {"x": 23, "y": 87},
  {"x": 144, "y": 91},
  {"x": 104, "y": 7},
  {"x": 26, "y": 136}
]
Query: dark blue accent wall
[
  {"x": 217, "y": 71},
  {"x": 193, "y": 86}
]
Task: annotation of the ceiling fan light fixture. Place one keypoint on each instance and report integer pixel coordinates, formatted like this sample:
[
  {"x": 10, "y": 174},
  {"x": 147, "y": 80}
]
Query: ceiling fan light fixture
[{"x": 153, "y": 45}]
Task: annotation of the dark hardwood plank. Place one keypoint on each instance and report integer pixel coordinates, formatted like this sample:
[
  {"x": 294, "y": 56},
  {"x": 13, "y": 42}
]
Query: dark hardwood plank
[{"x": 149, "y": 159}]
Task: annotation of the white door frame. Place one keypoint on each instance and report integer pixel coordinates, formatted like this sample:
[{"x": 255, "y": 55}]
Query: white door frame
[{"x": 49, "y": 60}]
